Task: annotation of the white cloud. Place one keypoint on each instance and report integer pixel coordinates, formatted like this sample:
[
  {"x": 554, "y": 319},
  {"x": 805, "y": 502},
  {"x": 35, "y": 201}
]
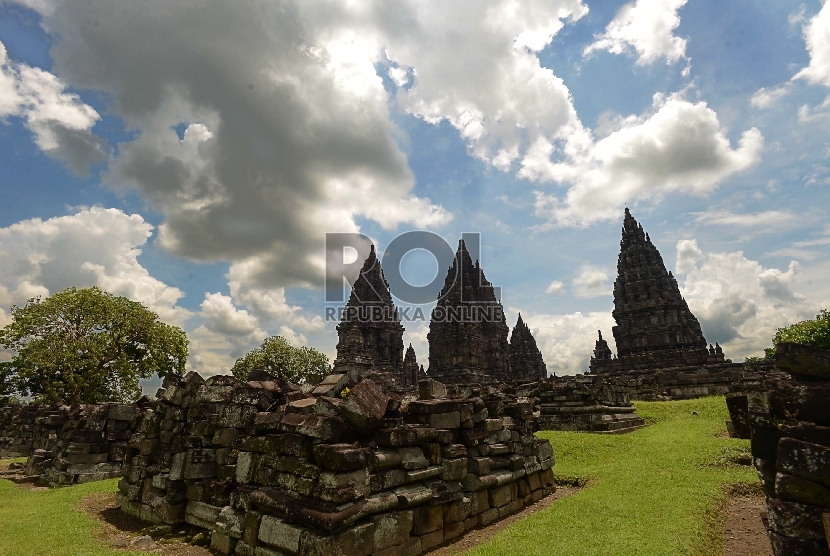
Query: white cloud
[
  {"x": 567, "y": 341},
  {"x": 555, "y": 287},
  {"x": 484, "y": 76},
  {"x": 95, "y": 247},
  {"x": 738, "y": 302},
  {"x": 59, "y": 120},
  {"x": 772, "y": 220},
  {"x": 767, "y": 97},
  {"x": 288, "y": 127},
  {"x": 591, "y": 282},
  {"x": 817, "y": 40},
  {"x": 646, "y": 27},
  {"x": 807, "y": 113},
  {"x": 681, "y": 147}
]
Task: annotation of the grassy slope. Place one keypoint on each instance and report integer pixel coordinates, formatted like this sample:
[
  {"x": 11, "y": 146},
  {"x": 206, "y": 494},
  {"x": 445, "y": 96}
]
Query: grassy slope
[
  {"x": 651, "y": 492},
  {"x": 47, "y": 523}
]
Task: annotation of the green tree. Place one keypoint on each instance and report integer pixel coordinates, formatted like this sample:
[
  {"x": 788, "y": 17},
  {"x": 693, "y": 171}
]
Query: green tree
[
  {"x": 87, "y": 345},
  {"x": 284, "y": 361},
  {"x": 814, "y": 333}
]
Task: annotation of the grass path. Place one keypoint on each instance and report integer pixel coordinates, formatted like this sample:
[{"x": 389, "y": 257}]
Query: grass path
[
  {"x": 651, "y": 492},
  {"x": 48, "y": 523}
]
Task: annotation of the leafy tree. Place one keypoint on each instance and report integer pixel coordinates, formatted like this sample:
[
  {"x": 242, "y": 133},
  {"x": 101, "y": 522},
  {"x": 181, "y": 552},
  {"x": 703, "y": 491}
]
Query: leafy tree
[
  {"x": 284, "y": 361},
  {"x": 814, "y": 333},
  {"x": 87, "y": 345}
]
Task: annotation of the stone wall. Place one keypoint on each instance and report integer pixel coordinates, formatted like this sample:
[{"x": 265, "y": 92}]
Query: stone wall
[
  {"x": 789, "y": 420},
  {"x": 270, "y": 470},
  {"x": 26, "y": 428},
  {"x": 67, "y": 445},
  {"x": 586, "y": 404}
]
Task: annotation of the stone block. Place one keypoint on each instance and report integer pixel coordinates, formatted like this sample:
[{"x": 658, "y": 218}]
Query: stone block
[
  {"x": 392, "y": 529},
  {"x": 487, "y": 517},
  {"x": 810, "y": 461},
  {"x": 432, "y": 540},
  {"x": 412, "y": 458},
  {"x": 458, "y": 510},
  {"x": 423, "y": 474},
  {"x": 479, "y": 502},
  {"x": 304, "y": 405},
  {"x": 454, "y": 469},
  {"x": 326, "y": 428},
  {"x": 412, "y": 547},
  {"x": 222, "y": 543},
  {"x": 279, "y": 534},
  {"x": 414, "y": 495},
  {"x": 500, "y": 496},
  {"x": 449, "y": 420},
  {"x": 383, "y": 459},
  {"x": 340, "y": 457},
  {"x": 356, "y": 541},
  {"x": 332, "y": 385},
  {"x": 364, "y": 406},
  {"x": 798, "y": 489},
  {"x": 427, "y": 519},
  {"x": 791, "y": 519},
  {"x": 429, "y": 389}
]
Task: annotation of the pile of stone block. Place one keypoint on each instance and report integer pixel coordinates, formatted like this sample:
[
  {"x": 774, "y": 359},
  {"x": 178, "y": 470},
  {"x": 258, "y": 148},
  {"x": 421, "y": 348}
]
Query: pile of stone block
[
  {"x": 270, "y": 470},
  {"x": 90, "y": 445},
  {"x": 789, "y": 419},
  {"x": 582, "y": 404},
  {"x": 26, "y": 428}
]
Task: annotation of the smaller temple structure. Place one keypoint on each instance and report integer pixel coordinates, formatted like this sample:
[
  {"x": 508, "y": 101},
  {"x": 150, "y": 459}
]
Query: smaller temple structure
[
  {"x": 526, "y": 362},
  {"x": 370, "y": 335},
  {"x": 588, "y": 404},
  {"x": 412, "y": 373},
  {"x": 467, "y": 332}
]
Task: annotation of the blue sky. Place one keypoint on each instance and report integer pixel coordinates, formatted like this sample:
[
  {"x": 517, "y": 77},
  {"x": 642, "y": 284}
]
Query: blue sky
[{"x": 192, "y": 156}]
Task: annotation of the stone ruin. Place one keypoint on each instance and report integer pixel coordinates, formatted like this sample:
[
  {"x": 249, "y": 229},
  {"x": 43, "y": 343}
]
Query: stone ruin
[
  {"x": 69, "y": 444},
  {"x": 660, "y": 346},
  {"x": 787, "y": 415},
  {"x": 270, "y": 470},
  {"x": 585, "y": 403}
]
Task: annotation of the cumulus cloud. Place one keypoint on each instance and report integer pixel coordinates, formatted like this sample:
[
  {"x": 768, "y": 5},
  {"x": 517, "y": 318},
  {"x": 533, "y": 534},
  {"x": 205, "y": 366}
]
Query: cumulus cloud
[
  {"x": 555, "y": 287},
  {"x": 288, "y": 133},
  {"x": 567, "y": 341},
  {"x": 817, "y": 40},
  {"x": 681, "y": 147},
  {"x": 59, "y": 120},
  {"x": 484, "y": 76},
  {"x": 739, "y": 302},
  {"x": 767, "y": 97},
  {"x": 645, "y": 27},
  {"x": 95, "y": 247},
  {"x": 591, "y": 282}
]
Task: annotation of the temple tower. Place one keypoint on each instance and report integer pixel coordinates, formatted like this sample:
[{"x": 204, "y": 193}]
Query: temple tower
[
  {"x": 526, "y": 362},
  {"x": 467, "y": 331},
  {"x": 601, "y": 359},
  {"x": 371, "y": 312},
  {"x": 411, "y": 371},
  {"x": 655, "y": 328}
]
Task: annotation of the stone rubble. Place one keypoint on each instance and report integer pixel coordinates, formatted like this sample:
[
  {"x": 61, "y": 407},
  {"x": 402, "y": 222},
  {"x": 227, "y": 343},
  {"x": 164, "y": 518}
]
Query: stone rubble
[{"x": 371, "y": 472}]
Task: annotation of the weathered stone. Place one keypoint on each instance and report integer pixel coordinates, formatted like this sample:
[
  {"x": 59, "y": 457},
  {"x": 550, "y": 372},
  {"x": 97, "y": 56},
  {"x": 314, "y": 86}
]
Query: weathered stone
[
  {"x": 356, "y": 541},
  {"x": 365, "y": 406},
  {"x": 327, "y": 429},
  {"x": 392, "y": 529},
  {"x": 340, "y": 457},
  {"x": 451, "y": 420},
  {"x": 412, "y": 458},
  {"x": 427, "y": 519},
  {"x": 277, "y": 533}
]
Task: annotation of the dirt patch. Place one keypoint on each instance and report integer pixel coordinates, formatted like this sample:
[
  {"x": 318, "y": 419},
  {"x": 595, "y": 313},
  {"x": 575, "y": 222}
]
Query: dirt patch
[
  {"x": 745, "y": 534},
  {"x": 478, "y": 536},
  {"x": 120, "y": 530}
]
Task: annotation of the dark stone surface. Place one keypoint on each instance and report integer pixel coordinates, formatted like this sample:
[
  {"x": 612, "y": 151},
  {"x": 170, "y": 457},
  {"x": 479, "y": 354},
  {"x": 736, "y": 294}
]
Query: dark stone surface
[{"x": 526, "y": 362}]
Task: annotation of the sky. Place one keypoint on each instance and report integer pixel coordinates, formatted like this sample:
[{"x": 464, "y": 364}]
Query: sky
[{"x": 193, "y": 155}]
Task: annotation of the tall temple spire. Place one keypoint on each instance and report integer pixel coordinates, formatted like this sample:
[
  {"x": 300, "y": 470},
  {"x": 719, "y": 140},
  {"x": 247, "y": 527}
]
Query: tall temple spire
[
  {"x": 371, "y": 313},
  {"x": 467, "y": 331},
  {"x": 655, "y": 327},
  {"x": 526, "y": 362}
]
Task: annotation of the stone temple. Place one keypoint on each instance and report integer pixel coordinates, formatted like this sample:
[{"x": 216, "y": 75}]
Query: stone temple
[
  {"x": 526, "y": 362},
  {"x": 655, "y": 328},
  {"x": 468, "y": 330},
  {"x": 370, "y": 335}
]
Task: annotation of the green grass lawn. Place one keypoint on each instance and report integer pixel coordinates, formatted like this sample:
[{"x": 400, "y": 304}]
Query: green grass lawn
[
  {"x": 47, "y": 523},
  {"x": 651, "y": 492}
]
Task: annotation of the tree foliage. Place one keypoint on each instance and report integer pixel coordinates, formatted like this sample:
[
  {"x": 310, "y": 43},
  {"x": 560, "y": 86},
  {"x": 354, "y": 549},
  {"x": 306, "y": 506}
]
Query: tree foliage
[
  {"x": 284, "y": 361},
  {"x": 814, "y": 333},
  {"x": 87, "y": 345}
]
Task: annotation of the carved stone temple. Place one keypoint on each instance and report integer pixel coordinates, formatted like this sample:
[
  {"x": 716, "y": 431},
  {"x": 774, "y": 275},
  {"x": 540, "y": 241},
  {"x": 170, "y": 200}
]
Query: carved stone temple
[
  {"x": 468, "y": 330},
  {"x": 370, "y": 335},
  {"x": 655, "y": 329},
  {"x": 526, "y": 362}
]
